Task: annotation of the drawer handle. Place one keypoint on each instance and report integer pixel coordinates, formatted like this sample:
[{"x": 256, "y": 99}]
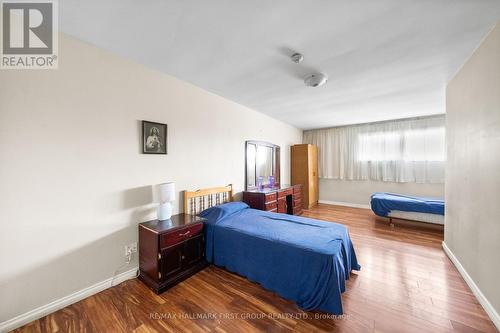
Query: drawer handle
[{"x": 185, "y": 234}]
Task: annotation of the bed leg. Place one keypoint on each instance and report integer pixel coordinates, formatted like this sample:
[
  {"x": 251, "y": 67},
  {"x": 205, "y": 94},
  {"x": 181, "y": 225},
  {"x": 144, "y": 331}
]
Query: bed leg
[{"x": 390, "y": 222}]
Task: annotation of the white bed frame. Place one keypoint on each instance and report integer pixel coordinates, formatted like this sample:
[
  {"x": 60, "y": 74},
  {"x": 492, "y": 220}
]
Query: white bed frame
[{"x": 415, "y": 217}]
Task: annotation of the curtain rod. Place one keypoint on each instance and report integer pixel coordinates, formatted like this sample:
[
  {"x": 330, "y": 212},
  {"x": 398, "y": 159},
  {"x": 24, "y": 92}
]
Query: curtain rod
[{"x": 380, "y": 122}]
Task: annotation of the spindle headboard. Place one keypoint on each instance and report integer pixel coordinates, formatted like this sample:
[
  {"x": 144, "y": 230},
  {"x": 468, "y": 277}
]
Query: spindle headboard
[{"x": 199, "y": 200}]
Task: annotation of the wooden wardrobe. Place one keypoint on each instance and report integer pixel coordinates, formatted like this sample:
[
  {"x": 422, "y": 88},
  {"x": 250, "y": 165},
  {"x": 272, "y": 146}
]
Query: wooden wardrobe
[{"x": 304, "y": 165}]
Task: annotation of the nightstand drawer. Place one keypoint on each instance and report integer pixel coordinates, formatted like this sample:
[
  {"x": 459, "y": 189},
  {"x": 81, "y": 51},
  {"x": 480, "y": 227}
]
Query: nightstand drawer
[
  {"x": 284, "y": 193},
  {"x": 297, "y": 203},
  {"x": 180, "y": 235},
  {"x": 270, "y": 197},
  {"x": 271, "y": 206},
  {"x": 297, "y": 196}
]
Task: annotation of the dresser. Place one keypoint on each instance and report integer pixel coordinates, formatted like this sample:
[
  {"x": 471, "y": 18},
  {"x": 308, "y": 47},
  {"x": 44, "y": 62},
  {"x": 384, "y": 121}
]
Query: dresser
[
  {"x": 304, "y": 170},
  {"x": 286, "y": 199},
  {"x": 171, "y": 251}
]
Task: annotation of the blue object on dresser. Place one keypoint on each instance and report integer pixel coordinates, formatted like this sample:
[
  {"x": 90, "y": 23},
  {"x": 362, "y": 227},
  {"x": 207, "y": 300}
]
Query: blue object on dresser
[
  {"x": 383, "y": 203},
  {"x": 301, "y": 259}
]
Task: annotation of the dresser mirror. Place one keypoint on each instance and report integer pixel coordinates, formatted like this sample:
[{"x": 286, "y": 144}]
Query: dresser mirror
[{"x": 262, "y": 161}]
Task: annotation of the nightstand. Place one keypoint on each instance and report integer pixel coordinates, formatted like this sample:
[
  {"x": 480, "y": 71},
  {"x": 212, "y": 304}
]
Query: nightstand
[{"x": 171, "y": 251}]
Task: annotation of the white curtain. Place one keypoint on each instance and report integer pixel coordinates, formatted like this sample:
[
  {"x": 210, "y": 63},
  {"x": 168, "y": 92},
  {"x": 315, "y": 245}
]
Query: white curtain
[{"x": 411, "y": 150}]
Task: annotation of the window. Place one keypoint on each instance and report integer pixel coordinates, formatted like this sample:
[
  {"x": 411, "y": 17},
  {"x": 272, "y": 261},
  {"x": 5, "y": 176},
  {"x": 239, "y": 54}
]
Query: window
[
  {"x": 380, "y": 147},
  {"x": 425, "y": 145},
  {"x": 409, "y": 146},
  {"x": 407, "y": 150}
]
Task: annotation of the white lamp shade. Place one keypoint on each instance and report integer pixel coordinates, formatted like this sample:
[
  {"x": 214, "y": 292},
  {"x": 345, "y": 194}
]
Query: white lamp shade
[{"x": 167, "y": 192}]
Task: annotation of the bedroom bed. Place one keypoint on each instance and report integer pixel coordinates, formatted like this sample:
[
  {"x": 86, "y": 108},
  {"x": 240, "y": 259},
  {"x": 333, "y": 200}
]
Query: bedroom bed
[
  {"x": 301, "y": 259},
  {"x": 411, "y": 208}
]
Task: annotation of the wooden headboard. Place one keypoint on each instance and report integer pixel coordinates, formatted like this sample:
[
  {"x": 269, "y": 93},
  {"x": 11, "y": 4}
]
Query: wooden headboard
[{"x": 199, "y": 200}]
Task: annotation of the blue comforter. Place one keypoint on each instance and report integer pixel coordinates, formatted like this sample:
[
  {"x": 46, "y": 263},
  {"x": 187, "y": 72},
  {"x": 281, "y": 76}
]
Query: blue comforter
[
  {"x": 303, "y": 260},
  {"x": 383, "y": 203}
]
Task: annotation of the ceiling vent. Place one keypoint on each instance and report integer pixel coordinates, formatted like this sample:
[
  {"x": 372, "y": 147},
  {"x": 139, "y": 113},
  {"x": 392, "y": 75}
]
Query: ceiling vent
[{"x": 297, "y": 58}]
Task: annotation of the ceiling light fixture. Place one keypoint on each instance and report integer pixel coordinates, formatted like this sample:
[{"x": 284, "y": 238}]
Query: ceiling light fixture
[{"x": 315, "y": 80}]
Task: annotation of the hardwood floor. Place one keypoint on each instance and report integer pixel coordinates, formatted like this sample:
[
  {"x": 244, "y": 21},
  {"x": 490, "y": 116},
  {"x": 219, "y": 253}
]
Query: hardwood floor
[{"x": 406, "y": 284}]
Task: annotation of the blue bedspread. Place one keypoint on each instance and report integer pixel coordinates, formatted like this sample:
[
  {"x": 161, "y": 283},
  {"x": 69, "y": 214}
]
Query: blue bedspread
[
  {"x": 383, "y": 203},
  {"x": 301, "y": 259}
]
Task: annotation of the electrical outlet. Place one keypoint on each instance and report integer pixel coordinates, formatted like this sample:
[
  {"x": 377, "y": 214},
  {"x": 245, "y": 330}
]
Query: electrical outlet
[{"x": 131, "y": 248}]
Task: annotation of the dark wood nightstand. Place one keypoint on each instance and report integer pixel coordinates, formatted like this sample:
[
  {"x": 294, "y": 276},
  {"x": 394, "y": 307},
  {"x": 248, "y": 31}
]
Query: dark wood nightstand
[{"x": 171, "y": 251}]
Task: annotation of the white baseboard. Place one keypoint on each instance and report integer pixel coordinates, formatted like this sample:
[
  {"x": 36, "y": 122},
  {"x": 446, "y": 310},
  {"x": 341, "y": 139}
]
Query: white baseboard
[
  {"x": 347, "y": 204},
  {"x": 490, "y": 310},
  {"x": 58, "y": 304}
]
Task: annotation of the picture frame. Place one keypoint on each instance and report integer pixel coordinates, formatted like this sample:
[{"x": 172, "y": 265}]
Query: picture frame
[{"x": 154, "y": 138}]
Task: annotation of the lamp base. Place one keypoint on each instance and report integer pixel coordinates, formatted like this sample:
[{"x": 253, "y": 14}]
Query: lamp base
[{"x": 164, "y": 211}]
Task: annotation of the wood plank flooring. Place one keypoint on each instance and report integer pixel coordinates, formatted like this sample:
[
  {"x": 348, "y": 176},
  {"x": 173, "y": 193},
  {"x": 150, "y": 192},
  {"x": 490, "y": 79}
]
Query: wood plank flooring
[{"x": 406, "y": 284}]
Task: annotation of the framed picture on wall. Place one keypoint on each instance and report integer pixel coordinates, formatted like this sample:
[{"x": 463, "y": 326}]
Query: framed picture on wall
[{"x": 154, "y": 138}]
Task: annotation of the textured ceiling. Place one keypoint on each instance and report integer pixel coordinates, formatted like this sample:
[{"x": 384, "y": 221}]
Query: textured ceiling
[{"x": 385, "y": 59}]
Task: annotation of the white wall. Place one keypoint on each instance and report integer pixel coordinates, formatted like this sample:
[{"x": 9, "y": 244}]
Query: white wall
[
  {"x": 359, "y": 191},
  {"x": 472, "y": 229},
  {"x": 74, "y": 184}
]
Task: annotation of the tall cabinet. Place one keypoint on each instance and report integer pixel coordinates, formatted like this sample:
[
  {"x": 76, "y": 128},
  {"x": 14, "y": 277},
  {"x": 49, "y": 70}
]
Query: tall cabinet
[{"x": 304, "y": 164}]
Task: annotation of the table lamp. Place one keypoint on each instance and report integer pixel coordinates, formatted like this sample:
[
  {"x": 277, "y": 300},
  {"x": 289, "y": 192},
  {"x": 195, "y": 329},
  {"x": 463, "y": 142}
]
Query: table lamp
[{"x": 167, "y": 195}]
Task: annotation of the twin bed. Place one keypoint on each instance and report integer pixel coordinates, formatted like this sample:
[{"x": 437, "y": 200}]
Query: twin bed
[
  {"x": 406, "y": 207},
  {"x": 301, "y": 259}
]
